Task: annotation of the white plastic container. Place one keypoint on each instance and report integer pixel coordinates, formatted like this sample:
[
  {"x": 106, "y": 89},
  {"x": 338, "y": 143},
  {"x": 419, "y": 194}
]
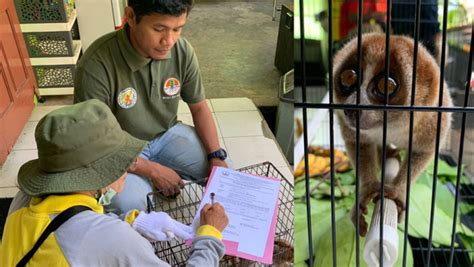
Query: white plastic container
[{"x": 390, "y": 236}]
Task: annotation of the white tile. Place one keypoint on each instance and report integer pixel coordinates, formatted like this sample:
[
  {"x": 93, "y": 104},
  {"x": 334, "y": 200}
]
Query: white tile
[
  {"x": 188, "y": 119},
  {"x": 222, "y": 143},
  {"x": 246, "y": 151},
  {"x": 26, "y": 140},
  {"x": 240, "y": 123},
  {"x": 40, "y": 111},
  {"x": 232, "y": 104},
  {"x": 183, "y": 107},
  {"x": 8, "y": 192},
  {"x": 9, "y": 170}
]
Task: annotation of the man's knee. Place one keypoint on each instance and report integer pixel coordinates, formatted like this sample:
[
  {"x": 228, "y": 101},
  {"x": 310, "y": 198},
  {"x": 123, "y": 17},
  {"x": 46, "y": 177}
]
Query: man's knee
[
  {"x": 185, "y": 131},
  {"x": 181, "y": 150},
  {"x": 133, "y": 196}
]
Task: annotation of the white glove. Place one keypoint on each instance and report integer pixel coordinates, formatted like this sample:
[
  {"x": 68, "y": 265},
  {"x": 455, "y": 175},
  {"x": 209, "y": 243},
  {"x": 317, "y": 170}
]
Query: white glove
[
  {"x": 159, "y": 226},
  {"x": 196, "y": 223}
]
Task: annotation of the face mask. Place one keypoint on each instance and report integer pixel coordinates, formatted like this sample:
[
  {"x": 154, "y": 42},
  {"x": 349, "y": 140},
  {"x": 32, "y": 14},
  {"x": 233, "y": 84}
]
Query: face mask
[{"x": 106, "y": 198}]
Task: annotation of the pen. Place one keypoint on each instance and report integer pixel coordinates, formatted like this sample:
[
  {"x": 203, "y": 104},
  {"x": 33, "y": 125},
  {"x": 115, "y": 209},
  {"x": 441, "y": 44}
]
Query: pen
[{"x": 212, "y": 198}]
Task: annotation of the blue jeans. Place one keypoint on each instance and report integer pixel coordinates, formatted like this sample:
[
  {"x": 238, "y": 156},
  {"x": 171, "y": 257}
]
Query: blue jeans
[{"x": 180, "y": 149}]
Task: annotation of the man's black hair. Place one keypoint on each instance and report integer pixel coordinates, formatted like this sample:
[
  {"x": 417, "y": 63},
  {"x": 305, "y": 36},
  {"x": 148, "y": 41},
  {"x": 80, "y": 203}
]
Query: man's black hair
[{"x": 164, "y": 7}]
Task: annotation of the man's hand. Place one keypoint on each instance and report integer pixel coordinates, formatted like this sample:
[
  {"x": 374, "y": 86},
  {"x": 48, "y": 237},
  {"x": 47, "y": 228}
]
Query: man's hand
[
  {"x": 214, "y": 215},
  {"x": 166, "y": 180},
  {"x": 163, "y": 178}
]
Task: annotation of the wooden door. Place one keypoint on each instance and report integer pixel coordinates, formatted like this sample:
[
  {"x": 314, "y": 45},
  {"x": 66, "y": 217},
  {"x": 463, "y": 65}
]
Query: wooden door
[{"x": 17, "y": 80}]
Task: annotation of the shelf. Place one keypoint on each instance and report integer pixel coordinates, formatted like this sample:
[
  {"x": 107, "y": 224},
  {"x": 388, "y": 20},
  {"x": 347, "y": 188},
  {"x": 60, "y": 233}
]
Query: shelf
[
  {"x": 39, "y": 61},
  {"x": 50, "y": 27},
  {"x": 56, "y": 91}
]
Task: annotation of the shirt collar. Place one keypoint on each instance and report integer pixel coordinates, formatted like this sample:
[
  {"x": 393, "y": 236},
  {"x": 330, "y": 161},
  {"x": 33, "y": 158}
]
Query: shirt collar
[
  {"x": 59, "y": 203},
  {"x": 134, "y": 60}
]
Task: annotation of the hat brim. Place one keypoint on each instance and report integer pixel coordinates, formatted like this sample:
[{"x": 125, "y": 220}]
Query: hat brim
[{"x": 98, "y": 174}]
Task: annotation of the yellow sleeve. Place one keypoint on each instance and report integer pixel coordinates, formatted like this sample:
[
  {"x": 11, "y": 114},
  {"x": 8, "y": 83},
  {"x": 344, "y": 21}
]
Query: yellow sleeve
[
  {"x": 131, "y": 216},
  {"x": 208, "y": 230}
]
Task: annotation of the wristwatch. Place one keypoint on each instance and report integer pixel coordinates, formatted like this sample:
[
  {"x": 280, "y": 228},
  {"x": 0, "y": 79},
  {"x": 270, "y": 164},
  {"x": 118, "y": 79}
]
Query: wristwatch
[{"x": 220, "y": 154}]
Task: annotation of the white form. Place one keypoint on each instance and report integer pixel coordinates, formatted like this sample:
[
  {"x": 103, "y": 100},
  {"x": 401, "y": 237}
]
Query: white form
[{"x": 249, "y": 202}]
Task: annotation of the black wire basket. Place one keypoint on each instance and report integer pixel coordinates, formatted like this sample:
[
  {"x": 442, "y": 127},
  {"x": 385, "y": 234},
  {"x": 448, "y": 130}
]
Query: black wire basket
[{"x": 185, "y": 206}]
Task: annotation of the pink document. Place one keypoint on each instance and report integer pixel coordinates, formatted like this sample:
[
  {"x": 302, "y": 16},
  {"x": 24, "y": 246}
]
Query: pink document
[{"x": 251, "y": 203}]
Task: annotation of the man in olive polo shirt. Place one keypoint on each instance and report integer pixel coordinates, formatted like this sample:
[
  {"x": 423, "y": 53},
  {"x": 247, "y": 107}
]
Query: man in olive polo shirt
[{"x": 141, "y": 72}]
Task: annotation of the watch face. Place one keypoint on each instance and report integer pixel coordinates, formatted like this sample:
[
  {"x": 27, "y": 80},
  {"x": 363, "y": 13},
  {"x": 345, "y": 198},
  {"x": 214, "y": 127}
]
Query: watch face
[{"x": 222, "y": 154}]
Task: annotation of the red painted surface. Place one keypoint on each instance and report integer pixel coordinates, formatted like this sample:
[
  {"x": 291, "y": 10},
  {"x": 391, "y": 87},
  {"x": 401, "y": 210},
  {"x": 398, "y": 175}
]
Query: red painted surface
[
  {"x": 17, "y": 80},
  {"x": 124, "y": 20}
]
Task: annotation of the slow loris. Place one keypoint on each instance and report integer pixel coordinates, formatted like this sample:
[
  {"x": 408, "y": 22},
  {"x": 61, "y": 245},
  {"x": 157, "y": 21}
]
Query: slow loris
[{"x": 371, "y": 121}]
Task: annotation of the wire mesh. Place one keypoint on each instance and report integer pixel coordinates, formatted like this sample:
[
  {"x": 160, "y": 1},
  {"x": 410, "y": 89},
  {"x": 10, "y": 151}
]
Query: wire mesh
[
  {"x": 185, "y": 206},
  {"x": 440, "y": 256}
]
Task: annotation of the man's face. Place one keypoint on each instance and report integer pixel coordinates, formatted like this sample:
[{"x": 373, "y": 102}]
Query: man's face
[{"x": 155, "y": 34}]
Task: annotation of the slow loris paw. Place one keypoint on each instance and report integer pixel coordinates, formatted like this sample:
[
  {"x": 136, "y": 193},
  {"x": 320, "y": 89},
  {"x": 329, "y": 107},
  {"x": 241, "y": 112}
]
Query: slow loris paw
[
  {"x": 363, "y": 226},
  {"x": 368, "y": 193},
  {"x": 371, "y": 192},
  {"x": 398, "y": 196}
]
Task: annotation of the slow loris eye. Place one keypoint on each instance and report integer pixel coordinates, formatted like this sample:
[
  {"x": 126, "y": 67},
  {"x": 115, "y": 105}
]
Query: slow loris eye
[
  {"x": 348, "y": 79},
  {"x": 392, "y": 86}
]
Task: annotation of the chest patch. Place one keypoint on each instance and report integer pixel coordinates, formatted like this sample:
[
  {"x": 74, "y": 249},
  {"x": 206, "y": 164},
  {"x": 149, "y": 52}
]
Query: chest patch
[
  {"x": 172, "y": 87},
  {"x": 127, "y": 98}
]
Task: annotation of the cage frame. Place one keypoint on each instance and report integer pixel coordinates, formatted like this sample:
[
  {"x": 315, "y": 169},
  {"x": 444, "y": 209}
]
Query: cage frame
[{"x": 176, "y": 252}]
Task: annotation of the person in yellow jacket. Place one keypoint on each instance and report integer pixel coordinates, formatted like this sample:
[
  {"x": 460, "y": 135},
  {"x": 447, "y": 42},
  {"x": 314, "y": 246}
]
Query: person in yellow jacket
[{"x": 83, "y": 158}]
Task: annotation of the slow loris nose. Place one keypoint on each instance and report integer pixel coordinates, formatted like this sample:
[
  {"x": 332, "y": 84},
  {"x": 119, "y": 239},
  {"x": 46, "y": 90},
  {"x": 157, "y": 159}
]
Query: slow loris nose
[{"x": 351, "y": 113}]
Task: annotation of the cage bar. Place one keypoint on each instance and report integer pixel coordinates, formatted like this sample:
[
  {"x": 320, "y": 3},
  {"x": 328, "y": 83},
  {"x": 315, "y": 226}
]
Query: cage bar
[
  {"x": 357, "y": 167},
  {"x": 305, "y": 134},
  {"x": 438, "y": 128},
  {"x": 331, "y": 134},
  {"x": 384, "y": 131},
  {"x": 453, "y": 254},
  {"x": 410, "y": 138},
  {"x": 461, "y": 149}
]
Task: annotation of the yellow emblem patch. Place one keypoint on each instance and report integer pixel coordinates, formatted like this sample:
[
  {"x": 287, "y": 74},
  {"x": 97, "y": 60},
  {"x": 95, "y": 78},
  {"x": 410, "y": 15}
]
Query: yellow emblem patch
[{"x": 127, "y": 98}]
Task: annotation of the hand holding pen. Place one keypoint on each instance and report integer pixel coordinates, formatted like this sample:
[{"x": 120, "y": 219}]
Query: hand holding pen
[{"x": 214, "y": 214}]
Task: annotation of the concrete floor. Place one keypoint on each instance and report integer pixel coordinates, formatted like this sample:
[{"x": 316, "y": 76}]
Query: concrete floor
[{"x": 235, "y": 42}]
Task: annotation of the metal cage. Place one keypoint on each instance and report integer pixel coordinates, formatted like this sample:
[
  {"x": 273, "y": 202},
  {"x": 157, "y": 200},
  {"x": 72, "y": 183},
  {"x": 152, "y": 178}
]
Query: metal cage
[
  {"x": 424, "y": 253},
  {"x": 184, "y": 208}
]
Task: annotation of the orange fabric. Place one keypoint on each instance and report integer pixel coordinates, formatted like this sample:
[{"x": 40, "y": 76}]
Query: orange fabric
[{"x": 349, "y": 13}]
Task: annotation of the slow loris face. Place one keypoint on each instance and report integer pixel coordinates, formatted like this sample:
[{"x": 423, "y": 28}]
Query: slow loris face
[{"x": 372, "y": 78}]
